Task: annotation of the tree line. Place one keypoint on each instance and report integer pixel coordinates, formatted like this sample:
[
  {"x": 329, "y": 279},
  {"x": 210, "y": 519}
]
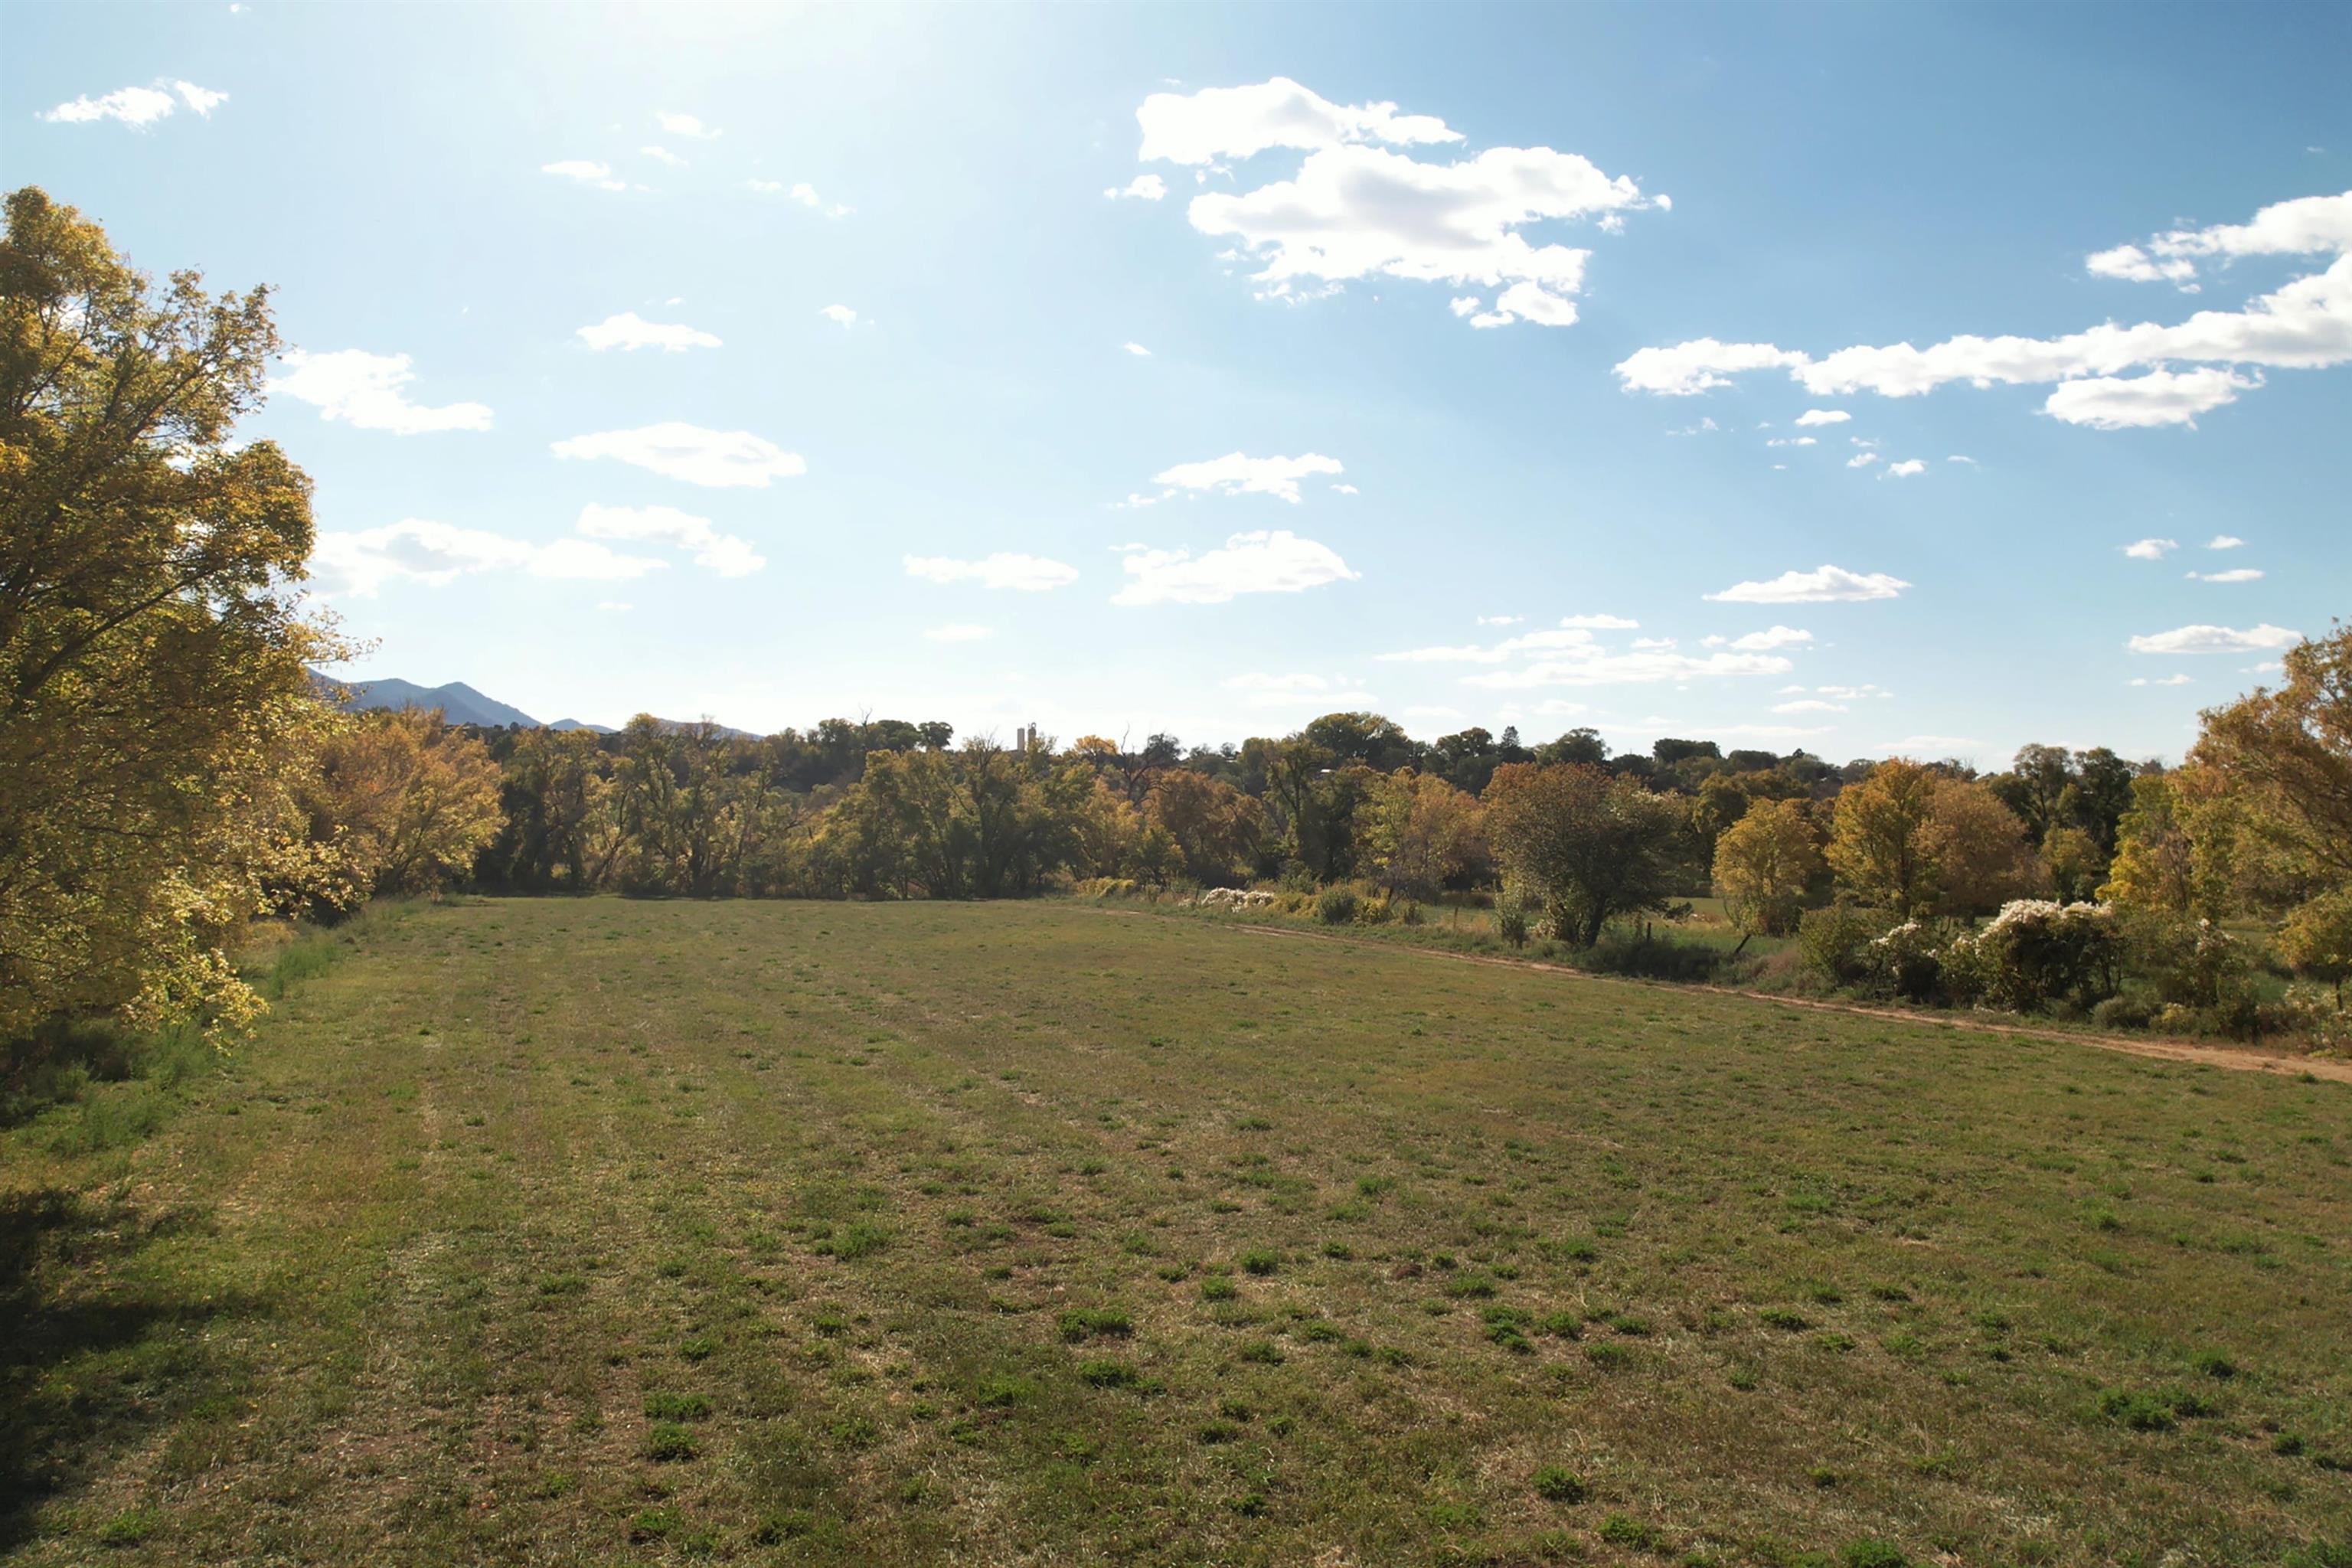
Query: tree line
[{"x": 168, "y": 770}]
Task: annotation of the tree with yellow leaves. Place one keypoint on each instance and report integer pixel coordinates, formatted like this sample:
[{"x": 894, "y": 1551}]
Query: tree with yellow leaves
[{"x": 154, "y": 708}]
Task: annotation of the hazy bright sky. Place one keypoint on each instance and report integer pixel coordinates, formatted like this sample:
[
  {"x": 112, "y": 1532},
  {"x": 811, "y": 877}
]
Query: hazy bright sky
[{"x": 1206, "y": 369}]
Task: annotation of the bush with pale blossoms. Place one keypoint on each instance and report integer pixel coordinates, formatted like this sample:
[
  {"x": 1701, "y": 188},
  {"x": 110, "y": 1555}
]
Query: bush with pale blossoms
[
  {"x": 1906, "y": 962},
  {"x": 2037, "y": 954}
]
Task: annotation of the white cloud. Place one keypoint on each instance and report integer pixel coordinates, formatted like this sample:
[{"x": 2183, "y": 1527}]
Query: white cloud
[
  {"x": 357, "y": 564},
  {"x": 1356, "y": 209},
  {"x": 2263, "y": 638},
  {"x": 959, "y": 632},
  {"x": 137, "y": 106},
  {"x": 1905, "y": 469},
  {"x": 1330, "y": 694},
  {"x": 2236, "y": 574},
  {"x": 1930, "y": 746},
  {"x": 1778, "y": 636},
  {"x": 724, "y": 554},
  {"x": 1823, "y": 417},
  {"x": 1500, "y": 620},
  {"x": 1793, "y": 441},
  {"x": 688, "y": 126},
  {"x": 2166, "y": 680},
  {"x": 2151, "y": 549},
  {"x": 842, "y": 314},
  {"x": 1234, "y": 474},
  {"x": 630, "y": 331},
  {"x": 1142, "y": 188},
  {"x": 1596, "y": 666},
  {"x": 1824, "y": 584},
  {"x": 1862, "y": 459},
  {"x": 2224, "y": 542},
  {"x": 679, "y": 451},
  {"x": 1137, "y": 350},
  {"x": 664, "y": 155},
  {"x": 1698, "y": 365},
  {"x": 2305, "y": 324},
  {"x": 1658, "y": 642},
  {"x": 1259, "y": 563},
  {"x": 584, "y": 172},
  {"x": 2136, "y": 402},
  {"x": 1810, "y": 705},
  {"x": 366, "y": 390},
  {"x": 1345, "y": 491},
  {"x": 1026, "y": 573},
  {"x": 802, "y": 192},
  {"x": 2307, "y": 226},
  {"x": 2132, "y": 265},
  {"x": 1599, "y": 623},
  {"x": 1959, "y": 458},
  {"x": 1220, "y": 122}
]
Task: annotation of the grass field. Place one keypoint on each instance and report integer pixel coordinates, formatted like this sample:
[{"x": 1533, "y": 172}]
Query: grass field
[{"x": 609, "y": 1231}]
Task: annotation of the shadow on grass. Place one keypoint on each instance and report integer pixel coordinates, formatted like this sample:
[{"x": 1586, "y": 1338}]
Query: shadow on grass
[{"x": 86, "y": 1372}]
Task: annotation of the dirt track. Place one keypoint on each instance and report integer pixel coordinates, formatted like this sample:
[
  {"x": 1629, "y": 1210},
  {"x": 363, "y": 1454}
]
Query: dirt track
[{"x": 2230, "y": 1056}]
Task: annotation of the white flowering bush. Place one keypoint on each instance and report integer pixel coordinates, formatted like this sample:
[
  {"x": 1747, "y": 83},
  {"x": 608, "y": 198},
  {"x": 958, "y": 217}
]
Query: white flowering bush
[
  {"x": 1906, "y": 962},
  {"x": 2037, "y": 954}
]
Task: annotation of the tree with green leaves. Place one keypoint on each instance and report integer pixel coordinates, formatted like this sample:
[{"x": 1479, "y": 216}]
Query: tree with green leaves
[{"x": 1584, "y": 846}]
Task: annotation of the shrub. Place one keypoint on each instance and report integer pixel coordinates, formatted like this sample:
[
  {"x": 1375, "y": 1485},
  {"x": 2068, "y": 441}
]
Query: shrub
[
  {"x": 2316, "y": 940},
  {"x": 1088, "y": 1322},
  {"x": 2193, "y": 963},
  {"x": 2036, "y": 954},
  {"x": 1260, "y": 1261},
  {"x": 1511, "y": 920},
  {"x": 1652, "y": 958},
  {"x": 1870, "y": 1554},
  {"x": 1906, "y": 962},
  {"x": 1335, "y": 906},
  {"x": 1832, "y": 941},
  {"x": 1376, "y": 910},
  {"x": 2124, "y": 1013}
]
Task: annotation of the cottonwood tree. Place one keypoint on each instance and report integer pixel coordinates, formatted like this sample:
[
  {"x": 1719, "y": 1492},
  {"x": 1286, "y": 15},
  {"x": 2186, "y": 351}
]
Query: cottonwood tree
[
  {"x": 402, "y": 802},
  {"x": 1585, "y": 846},
  {"x": 2286, "y": 755},
  {"x": 1763, "y": 864},
  {"x": 1420, "y": 834},
  {"x": 154, "y": 708}
]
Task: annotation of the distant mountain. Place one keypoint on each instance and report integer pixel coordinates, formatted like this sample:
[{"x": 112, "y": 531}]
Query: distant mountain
[{"x": 459, "y": 703}]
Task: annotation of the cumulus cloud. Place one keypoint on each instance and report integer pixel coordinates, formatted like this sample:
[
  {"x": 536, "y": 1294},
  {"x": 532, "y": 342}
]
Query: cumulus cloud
[
  {"x": 2151, "y": 549},
  {"x": 2159, "y": 397},
  {"x": 1025, "y": 573},
  {"x": 1278, "y": 561},
  {"x": 2305, "y": 324},
  {"x": 720, "y": 458},
  {"x": 1793, "y": 441},
  {"x": 137, "y": 106},
  {"x": 1357, "y": 207},
  {"x": 1332, "y": 694},
  {"x": 959, "y": 632},
  {"x": 1599, "y": 623},
  {"x": 1777, "y": 636},
  {"x": 1823, "y": 417},
  {"x": 1823, "y": 585},
  {"x": 2263, "y": 638},
  {"x": 2307, "y": 226},
  {"x": 1810, "y": 705},
  {"x": 1142, "y": 188},
  {"x": 724, "y": 554},
  {"x": 584, "y": 172},
  {"x": 1234, "y": 474},
  {"x": 630, "y": 331},
  {"x": 1500, "y": 620},
  {"x": 1862, "y": 459},
  {"x": 2236, "y": 574},
  {"x": 688, "y": 126},
  {"x": 367, "y": 390},
  {"x": 1593, "y": 665},
  {"x": 802, "y": 192},
  {"x": 1137, "y": 350},
  {"x": 1905, "y": 469},
  {"x": 664, "y": 155},
  {"x": 2224, "y": 542},
  {"x": 840, "y": 314},
  {"x": 358, "y": 564},
  {"x": 2163, "y": 680}
]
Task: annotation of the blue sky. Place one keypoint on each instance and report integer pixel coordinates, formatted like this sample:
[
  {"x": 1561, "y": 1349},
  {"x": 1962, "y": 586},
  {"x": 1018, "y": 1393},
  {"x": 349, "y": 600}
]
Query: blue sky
[{"x": 1365, "y": 419}]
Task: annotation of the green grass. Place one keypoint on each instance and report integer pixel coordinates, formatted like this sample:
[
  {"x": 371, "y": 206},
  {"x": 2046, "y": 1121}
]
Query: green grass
[{"x": 610, "y": 1232}]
